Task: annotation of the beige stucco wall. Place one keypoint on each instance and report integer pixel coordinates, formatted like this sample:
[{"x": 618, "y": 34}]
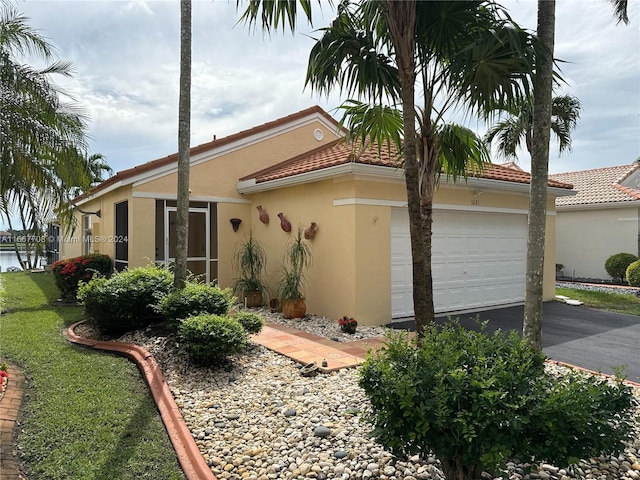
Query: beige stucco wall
[
  {"x": 217, "y": 176},
  {"x": 351, "y": 267},
  {"x": 350, "y": 273},
  {"x": 102, "y": 227},
  {"x": 586, "y": 238}
]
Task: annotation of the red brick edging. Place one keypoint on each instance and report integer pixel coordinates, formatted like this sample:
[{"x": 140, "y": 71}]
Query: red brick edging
[{"x": 189, "y": 456}]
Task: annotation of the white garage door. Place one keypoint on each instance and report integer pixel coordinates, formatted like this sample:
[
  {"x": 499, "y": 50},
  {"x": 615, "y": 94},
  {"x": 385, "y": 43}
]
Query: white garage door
[{"x": 478, "y": 261}]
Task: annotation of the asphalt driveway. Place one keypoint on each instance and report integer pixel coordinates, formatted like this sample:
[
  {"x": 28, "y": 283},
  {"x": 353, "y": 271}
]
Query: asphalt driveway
[{"x": 578, "y": 335}]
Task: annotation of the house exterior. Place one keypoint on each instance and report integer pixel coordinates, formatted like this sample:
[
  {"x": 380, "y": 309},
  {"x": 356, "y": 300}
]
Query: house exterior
[
  {"x": 298, "y": 166},
  {"x": 602, "y": 219}
]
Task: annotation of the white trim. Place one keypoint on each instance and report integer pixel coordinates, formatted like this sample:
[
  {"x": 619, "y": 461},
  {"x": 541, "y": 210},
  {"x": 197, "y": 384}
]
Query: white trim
[
  {"x": 90, "y": 197},
  {"x": 374, "y": 171},
  {"x": 599, "y": 206},
  {"x": 222, "y": 150},
  {"x": 193, "y": 198},
  {"x": 436, "y": 206},
  {"x": 369, "y": 201},
  {"x": 473, "y": 208},
  {"x": 379, "y": 173}
]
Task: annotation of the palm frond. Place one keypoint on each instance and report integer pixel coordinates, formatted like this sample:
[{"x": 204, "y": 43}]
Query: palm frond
[
  {"x": 461, "y": 151},
  {"x": 373, "y": 125},
  {"x": 275, "y": 14}
]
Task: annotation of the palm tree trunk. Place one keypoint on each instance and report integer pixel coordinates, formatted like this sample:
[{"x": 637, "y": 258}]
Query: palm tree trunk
[
  {"x": 543, "y": 90},
  {"x": 401, "y": 19},
  {"x": 184, "y": 134}
]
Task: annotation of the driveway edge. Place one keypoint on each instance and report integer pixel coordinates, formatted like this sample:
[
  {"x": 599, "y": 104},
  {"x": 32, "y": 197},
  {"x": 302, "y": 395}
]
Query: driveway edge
[{"x": 189, "y": 456}]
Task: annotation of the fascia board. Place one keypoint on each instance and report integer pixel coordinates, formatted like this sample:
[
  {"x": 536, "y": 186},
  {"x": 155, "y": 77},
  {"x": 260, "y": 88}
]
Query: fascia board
[
  {"x": 598, "y": 206},
  {"x": 240, "y": 144},
  {"x": 91, "y": 197},
  {"x": 371, "y": 171},
  {"x": 490, "y": 184}
]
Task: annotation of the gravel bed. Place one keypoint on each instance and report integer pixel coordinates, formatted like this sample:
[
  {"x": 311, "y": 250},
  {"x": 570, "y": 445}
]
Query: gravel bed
[
  {"x": 599, "y": 288},
  {"x": 257, "y": 418}
]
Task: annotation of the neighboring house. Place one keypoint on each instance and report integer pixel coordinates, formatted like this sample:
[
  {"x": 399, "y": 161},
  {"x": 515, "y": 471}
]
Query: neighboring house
[
  {"x": 298, "y": 166},
  {"x": 600, "y": 220}
]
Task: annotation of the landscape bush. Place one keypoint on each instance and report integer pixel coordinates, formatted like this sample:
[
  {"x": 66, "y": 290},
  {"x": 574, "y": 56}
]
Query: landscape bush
[
  {"x": 209, "y": 339},
  {"x": 69, "y": 272},
  {"x": 251, "y": 322},
  {"x": 126, "y": 301},
  {"x": 633, "y": 274},
  {"x": 616, "y": 265},
  {"x": 477, "y": 400},
  {"x": 195, "y": 299}
]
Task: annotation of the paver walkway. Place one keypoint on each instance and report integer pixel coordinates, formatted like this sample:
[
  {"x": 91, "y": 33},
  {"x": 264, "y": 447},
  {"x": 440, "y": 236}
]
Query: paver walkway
[
  {"x": 9, "y": 409},
  {"x": 307, "y": 348}
]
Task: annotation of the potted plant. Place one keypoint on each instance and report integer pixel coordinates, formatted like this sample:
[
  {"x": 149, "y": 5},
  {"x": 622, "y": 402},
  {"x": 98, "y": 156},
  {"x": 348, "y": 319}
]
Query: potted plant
[
  {"x": 297, "y": 258},
  {"x": 250, "y": 261}
]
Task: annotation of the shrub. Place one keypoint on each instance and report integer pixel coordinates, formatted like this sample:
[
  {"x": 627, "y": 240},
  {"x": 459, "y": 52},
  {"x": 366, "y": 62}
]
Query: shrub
[
  {"x": 478, "y": 400},
  {"x": 251, "y": 322},
  {"x": 125, "y": 301},
  {"x": 208, "y": 339},
  {"x": 195, "y": 299},
  {"x": 68, "y": 273},
  {"x": 633, "y": 274},
  {"x": 616, "y": 265}
]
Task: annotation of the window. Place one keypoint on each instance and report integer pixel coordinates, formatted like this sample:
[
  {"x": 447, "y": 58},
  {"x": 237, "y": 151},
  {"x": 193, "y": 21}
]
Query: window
[{"x": 121, "y": 237}]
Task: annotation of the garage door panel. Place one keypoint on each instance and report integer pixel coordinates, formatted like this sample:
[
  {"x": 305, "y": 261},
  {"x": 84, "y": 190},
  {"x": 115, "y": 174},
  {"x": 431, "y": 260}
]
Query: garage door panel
[{"x": 478, "y": 259}]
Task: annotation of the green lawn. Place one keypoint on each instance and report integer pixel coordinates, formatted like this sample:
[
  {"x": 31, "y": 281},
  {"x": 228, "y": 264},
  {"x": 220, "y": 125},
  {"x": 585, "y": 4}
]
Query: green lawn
[
  {"x": 629, "y": 304},
  {"x": 87, "y": 414}
]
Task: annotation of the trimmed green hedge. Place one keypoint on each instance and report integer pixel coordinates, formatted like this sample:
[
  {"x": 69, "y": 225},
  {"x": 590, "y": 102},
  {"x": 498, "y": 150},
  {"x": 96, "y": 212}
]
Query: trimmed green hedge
[
  {"x": 126, "y": 301},
  {"x": 616, "y": 265},
  {"x": 195, "y": 299},
  {"x": 477, "y": 400},
  {"x": 209, "y": 339},
  {"x": 633, "y": 274}
]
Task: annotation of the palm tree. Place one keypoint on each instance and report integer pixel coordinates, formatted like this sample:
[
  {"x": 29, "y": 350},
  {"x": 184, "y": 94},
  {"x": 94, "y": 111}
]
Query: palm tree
[
  {"x": 374, "y": 49},
  {"x": 542, "y": 113},
  {"x": 446, "y": 51},
  {"x": 184, "y": 134},
  {"x": 518, "y": 126},
  {"x": 42, "y": 136}
]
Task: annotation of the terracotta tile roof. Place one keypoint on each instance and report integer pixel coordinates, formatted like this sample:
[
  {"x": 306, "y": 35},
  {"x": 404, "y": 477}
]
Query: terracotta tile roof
[
  {"x": 339, "y": 153},
  {"x": 330, "y": 155},
  {"x": 600, "y": 185},
  {"x": 173, "y": 158}
]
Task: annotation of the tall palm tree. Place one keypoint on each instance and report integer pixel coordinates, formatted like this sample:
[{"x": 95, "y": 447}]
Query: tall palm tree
[
  {"x": 461, "y": 59},
  {"x": 42, "y": 133},
  {"x": 511, "y": 132},
  {"x": 184, "y": 134},
  {"x": 375, "y": 49},
  {"x": 542, "y": 112}
]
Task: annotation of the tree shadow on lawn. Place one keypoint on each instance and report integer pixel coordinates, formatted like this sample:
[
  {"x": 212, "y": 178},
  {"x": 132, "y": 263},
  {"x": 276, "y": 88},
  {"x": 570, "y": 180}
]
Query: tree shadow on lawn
[{"x": 132, "y": 441}]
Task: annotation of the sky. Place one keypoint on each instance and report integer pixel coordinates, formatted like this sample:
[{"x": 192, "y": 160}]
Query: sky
[{"x": 126, "y": 70}]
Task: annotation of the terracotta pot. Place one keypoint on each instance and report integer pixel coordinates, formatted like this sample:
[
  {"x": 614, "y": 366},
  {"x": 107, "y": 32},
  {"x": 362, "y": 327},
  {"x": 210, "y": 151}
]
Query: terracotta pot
[
  {"x": 284, "y": 223},
  {"x": 262, "y": 215},
  {"x": 253, "y": 299},
  {"x": 294, "y": 308},
  {"x": 310, "y": 232},
  {"x": 275, "y": 306}
]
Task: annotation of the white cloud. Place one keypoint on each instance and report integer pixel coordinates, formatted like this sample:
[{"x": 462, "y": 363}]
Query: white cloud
[{"x": 127, "y": 52}]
